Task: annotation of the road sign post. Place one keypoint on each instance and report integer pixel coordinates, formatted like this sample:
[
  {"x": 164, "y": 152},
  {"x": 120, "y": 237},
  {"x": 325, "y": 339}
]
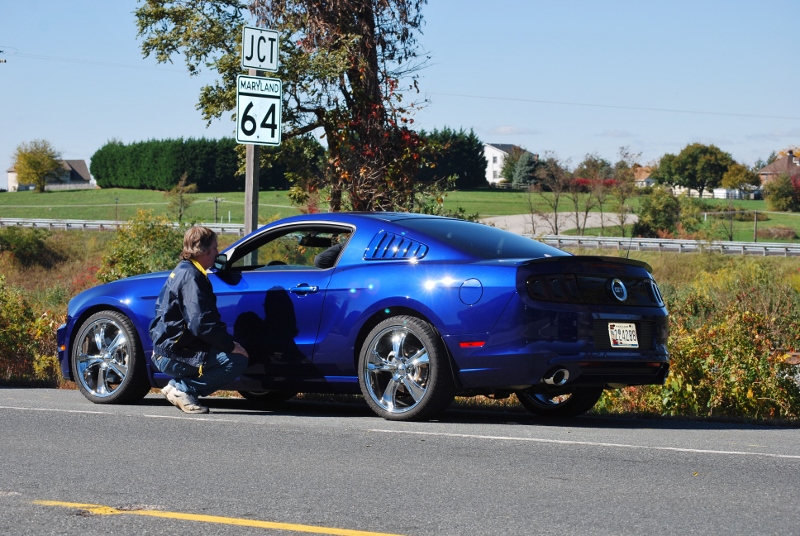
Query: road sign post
[{"x": 258, "y": 109}]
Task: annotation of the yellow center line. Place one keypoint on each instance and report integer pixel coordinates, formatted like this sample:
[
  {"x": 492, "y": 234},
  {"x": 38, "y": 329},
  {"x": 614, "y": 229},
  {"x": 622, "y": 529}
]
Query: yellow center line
[{"x": 99, "y": 509}]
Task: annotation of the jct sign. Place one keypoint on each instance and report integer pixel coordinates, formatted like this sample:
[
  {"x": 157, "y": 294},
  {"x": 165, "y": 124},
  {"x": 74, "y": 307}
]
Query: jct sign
[
  {"x": 258, "y": 110},
  {"x": 260, "y": 49}
]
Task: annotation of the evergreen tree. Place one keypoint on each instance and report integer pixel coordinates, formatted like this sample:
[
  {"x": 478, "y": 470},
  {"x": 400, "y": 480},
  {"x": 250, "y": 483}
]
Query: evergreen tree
[{"x": 525, "y": 170}]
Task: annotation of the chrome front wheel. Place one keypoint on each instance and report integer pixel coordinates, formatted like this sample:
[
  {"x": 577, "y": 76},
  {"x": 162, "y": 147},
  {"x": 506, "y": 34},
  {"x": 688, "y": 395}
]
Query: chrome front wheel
[{"x": 107, "y": 360}]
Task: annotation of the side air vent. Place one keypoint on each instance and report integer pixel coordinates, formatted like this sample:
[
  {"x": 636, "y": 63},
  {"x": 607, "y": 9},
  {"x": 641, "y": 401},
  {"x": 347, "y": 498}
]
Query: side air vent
[{"x": 391, "y": 246}]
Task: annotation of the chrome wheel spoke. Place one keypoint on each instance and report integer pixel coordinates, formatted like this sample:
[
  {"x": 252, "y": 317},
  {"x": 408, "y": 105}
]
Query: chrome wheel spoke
[
  {"x": 414, "y": 389},
  {"x": 119, "y": 368},
  {"x": 118, "y": 341},
  {"x": 102, "y": 381},
  {"x": 389, "y": 398},
  {"x": 398, "y": 340},
  {"x": 100, "y": 337},
  {"x": 92, "y": 361},
  {"x": 420, "y": 358},
  {"x": 382, "y": 365}
]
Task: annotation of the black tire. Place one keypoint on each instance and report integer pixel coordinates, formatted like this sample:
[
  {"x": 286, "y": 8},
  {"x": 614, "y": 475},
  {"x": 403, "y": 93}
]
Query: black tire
[
  {"x": 571, "y": 404},
  {"x": 267, "y": 399},
  {"x": 404, "y": 372},
  {"x": 107, "y": 360}
]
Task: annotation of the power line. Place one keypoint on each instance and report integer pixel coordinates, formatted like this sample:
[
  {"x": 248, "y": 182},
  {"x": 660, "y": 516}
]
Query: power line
[
  {"x": 89, "y": 62},
  {"x": 615, "y": 107}
]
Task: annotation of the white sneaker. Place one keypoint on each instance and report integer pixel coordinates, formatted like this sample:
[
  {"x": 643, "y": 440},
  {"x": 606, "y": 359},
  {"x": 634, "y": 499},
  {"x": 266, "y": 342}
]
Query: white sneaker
[
  {"x": 167, "y": 388},
  {"x": 185, "y": 402}
]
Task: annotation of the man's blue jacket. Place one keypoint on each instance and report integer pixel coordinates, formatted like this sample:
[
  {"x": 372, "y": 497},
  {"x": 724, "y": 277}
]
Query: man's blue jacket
[{"x": 187, "y": 326}]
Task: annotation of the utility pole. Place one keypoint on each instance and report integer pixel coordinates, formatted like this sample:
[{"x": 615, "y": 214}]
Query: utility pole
[
  {"x": 755, "y": 226},
  {"x": 216, "y": 201}
]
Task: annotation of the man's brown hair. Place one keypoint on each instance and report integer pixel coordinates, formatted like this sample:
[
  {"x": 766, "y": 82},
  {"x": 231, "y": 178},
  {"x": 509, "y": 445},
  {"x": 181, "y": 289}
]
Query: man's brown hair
[{"x": 197, "y": 241}]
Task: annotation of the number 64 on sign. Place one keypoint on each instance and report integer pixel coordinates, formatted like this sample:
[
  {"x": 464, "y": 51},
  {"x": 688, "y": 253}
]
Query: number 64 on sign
[{"x": 258, "y": 110}]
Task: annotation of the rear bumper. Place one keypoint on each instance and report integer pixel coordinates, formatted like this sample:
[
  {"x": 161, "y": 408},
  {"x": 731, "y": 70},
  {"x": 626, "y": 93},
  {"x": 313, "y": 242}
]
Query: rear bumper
[{"x": 530, "y": 343}]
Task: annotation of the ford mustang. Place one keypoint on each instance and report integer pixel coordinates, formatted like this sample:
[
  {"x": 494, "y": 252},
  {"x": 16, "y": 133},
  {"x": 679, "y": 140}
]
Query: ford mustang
[{"x": 408, "y": 310}]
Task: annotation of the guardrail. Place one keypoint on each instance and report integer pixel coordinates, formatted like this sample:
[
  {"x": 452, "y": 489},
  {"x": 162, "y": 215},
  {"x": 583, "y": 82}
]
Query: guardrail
[
  {"x": 763, "y": 249},
  {"x": 103, "y": 225},
  {"x": 666, "y": 245}
]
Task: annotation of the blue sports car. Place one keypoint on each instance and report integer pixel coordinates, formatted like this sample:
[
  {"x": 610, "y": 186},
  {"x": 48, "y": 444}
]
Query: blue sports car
[{"x": 409, "y": 310}]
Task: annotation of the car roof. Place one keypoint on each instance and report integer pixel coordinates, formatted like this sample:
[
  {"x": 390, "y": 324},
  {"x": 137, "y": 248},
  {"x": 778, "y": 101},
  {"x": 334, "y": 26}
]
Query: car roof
[{"x": 354, "y": 216}]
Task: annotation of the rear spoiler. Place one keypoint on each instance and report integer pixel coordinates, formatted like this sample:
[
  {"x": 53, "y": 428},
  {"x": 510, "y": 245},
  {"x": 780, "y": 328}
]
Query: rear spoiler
[{"x": 586, "y": 261}]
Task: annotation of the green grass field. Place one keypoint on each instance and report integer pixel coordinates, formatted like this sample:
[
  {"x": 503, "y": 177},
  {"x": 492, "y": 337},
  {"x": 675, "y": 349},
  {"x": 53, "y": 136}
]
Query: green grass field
[{"x": 121, "y": 204}]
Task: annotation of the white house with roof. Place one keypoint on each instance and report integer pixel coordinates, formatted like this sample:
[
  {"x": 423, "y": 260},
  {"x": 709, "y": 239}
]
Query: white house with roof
[
  {"x": 495, "y": 154},
  {"x": 74, "y": 176}
]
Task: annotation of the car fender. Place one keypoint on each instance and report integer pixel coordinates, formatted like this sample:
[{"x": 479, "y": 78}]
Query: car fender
[{"x": 137, "y": 302}]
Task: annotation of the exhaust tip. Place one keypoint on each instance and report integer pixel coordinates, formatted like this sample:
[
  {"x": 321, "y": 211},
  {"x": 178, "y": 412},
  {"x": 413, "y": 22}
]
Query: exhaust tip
[{"x": 557, "y": 378}]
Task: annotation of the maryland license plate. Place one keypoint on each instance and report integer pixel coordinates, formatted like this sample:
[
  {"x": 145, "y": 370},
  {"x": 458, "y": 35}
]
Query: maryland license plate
[{"x": 623, "y": 335}]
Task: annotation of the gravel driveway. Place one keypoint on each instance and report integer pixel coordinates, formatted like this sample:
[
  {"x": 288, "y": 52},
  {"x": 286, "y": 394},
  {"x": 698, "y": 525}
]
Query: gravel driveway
[{"x": 538, "y": 225}]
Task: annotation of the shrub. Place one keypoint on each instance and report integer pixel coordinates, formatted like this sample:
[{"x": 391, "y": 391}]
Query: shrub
[
  {"x": 730, "y": 341},
  {"x": 777, "y": 232},
  {"x": 27, "y": 341},
  {"x": 28, "y": 246},
  {"x": 660, "y": 211},
  {"x": 783, "y": 193},
  {"x": 147, "y": 243}
]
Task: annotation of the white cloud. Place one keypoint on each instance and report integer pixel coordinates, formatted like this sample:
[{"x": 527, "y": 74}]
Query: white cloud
[{"x": 510, "y": 130}]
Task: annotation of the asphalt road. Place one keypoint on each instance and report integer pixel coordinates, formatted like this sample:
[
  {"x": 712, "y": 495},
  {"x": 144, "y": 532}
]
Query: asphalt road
[{"x": 70, "y": 467}]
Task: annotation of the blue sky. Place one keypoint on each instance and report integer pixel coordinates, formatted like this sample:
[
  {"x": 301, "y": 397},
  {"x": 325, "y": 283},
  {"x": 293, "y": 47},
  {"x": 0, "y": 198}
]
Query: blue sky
[{"x": 568, "y": 76}]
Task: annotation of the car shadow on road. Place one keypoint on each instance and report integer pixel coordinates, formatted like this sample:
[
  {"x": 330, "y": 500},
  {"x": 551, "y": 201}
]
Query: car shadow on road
[{"x": 312, "y": 408}]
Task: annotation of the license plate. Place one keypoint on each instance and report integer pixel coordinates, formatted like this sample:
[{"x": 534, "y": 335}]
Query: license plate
[{"x": 623, "y": 335}]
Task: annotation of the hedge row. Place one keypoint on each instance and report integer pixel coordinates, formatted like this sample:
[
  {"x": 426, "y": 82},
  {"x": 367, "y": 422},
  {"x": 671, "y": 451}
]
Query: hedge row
[{"x": 159, "y": 164}]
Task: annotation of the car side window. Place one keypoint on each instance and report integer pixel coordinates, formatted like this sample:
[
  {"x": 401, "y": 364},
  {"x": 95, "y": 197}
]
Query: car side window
[{"x": 292, "y": 249}]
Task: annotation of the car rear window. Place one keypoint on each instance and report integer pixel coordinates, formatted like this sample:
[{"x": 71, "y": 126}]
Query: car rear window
[{"x": 481, "y": 241}]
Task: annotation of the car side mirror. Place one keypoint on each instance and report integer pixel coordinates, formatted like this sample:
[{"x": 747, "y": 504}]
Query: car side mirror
[{"x": 221, "y": 262}]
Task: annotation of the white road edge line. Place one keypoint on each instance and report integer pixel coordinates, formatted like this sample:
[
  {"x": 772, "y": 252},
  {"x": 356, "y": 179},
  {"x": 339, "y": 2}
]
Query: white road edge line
[
  {"x": 148, "y": 416},
  {"x": 59, "y": 410},
  {"x": 464, "y": 436},
  {"x": 593, "y": 444}
]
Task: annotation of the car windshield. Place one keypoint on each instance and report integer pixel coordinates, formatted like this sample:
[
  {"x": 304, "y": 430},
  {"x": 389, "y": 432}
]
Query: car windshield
[{"x": 482, "y": 241}]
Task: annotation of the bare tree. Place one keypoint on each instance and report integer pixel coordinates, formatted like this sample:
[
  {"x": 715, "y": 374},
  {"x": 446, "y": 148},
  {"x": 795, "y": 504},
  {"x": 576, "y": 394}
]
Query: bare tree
[
  {"x": 552, "y": 182},
  {"x": 601, "y": 190},
  {"x": 625, "y": 185},
  {"x": 179, "y": 200},
  {"x": 582, "y": 204}
]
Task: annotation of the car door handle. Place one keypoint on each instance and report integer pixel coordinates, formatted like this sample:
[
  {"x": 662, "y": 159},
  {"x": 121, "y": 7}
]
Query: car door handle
[{"x": 304, "y": 288}]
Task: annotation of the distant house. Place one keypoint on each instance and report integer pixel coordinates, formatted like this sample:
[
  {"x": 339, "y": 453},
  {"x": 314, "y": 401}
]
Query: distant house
[
  {"x": 74, "y": 176},
  {"x": 788, "y": 165},
  {"x": 495, "y": 154},
  {"x": 641, "y": 176}
]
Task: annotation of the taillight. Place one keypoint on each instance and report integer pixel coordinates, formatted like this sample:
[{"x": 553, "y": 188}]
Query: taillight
[
  {"x": 594, "y": 289},
  {"x": 554, "y": 287}
]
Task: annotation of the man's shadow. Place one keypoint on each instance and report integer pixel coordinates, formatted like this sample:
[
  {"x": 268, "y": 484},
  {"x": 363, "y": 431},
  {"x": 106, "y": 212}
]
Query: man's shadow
[{"x": 270, "y": 340}]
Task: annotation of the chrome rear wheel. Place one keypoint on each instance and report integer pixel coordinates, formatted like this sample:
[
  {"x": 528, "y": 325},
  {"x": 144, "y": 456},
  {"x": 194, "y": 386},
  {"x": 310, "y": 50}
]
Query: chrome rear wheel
[
  {"x": 572, "y": 404},
  {"x": 403, "y": 372}
]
